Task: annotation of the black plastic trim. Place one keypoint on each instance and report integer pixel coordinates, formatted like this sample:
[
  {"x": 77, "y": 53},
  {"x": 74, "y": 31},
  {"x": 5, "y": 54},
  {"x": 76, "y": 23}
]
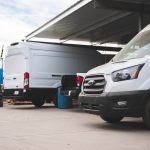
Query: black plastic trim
[
  {"x": 106, "y": 103},
  {"x": 30, "y": 93}
]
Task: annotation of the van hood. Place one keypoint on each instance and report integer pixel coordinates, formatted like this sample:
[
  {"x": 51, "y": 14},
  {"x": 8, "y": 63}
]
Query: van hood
[{"x": 114, "y": 66}]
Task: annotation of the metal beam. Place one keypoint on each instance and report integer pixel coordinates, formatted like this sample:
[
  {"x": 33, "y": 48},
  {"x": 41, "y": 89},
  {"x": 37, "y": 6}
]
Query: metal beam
[
  {"x": 140, "y": 25},
  {"x": 131, "y": 6},
  {"x": 113, "y": 30},
  {"x": 105, "y": 48},
  {"x": 117, "y": 34},
  {"x": 110, "y": 19}
]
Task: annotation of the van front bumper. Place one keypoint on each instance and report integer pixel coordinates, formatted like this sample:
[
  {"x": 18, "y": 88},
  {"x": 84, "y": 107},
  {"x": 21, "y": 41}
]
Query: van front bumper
[{"x": 127, "y": 104}]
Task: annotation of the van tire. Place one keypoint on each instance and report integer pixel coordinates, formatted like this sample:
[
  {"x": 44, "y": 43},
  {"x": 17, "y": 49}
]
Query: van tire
[
  {"x": 38, "y": 102},
  {"x": 111, "y": 119},
  {"x": 1, "y": 103},
  {"x": 146, "y": 115}
]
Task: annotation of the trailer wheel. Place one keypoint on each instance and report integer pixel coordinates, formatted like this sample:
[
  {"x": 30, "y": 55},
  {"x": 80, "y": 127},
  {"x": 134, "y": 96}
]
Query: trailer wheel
[
  {"x": 111, "y": 119},
  {"x": 146, "y": 115},
  {"x": 38, "y": 102}
]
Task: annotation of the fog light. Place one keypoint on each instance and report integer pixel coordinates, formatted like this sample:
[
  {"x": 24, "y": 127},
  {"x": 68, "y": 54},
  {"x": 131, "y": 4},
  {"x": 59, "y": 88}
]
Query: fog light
[{"x": 122, "y": 103}]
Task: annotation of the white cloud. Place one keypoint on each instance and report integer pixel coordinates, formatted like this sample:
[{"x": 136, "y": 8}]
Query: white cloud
[{"x": 20, "y": 17}]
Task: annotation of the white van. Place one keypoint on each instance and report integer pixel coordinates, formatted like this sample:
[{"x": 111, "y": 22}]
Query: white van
[
  {"x": 33, "y": 71},
  {"x": 121, "y": 88}
]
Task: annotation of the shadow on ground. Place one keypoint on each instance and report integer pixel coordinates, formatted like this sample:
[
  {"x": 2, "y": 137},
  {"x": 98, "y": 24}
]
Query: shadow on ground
[
  {"x": 75, "y": 109},
  {"x": 30, "y": 107},
  {"x": 124, "y": 126}
]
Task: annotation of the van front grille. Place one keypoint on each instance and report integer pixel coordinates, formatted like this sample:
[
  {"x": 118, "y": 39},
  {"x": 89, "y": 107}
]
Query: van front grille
[{"x": 94, "y": 84}]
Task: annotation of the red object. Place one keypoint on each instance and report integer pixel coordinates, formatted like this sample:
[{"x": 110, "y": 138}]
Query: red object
[
  {"x": 26, "y": 80},
  {"x": 79, "y": 80}
]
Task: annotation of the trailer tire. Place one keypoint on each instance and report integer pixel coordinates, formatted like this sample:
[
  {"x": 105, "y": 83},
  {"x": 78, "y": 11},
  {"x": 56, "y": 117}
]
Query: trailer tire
[
  {"x": 111, "y": 119},
  {"x": 146, "y": 115},
  {"x": 38, "y": 102}
]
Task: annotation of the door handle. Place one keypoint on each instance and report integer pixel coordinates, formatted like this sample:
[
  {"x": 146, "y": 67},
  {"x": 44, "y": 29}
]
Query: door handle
[{"x": 56, "y": 75}]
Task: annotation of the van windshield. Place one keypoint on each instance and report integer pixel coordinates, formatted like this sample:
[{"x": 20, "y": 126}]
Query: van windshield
[{"x": 138, "y": 47}]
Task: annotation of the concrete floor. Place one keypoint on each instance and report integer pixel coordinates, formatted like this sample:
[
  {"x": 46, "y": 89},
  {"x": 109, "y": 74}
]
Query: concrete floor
[{"x": 48, "y": 128}]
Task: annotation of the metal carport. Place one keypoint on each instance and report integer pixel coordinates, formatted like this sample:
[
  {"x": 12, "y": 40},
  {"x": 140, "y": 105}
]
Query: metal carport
[{"x": 98, "y": 21}]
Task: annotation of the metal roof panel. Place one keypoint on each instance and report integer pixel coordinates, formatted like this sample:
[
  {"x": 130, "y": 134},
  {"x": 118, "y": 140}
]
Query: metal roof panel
[{"x": 86, "y": 23}]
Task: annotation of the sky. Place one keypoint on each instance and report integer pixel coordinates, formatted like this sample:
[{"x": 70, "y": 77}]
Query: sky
[{"x": 18, "y": 18}]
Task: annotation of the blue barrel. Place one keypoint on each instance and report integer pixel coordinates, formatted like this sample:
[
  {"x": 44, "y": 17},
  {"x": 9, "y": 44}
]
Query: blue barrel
[{"x": 63, "y": 101}]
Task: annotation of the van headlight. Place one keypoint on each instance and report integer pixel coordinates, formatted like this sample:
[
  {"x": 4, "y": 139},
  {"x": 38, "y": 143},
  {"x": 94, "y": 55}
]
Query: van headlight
[{"x": 127, "y": 73}]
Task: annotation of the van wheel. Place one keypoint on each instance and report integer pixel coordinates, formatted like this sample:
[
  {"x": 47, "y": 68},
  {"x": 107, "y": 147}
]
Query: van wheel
[
  {"x": 38, "y": 102},
  {"x": 111, "y": 119},
  {"x": 1, "y": 103},
  {"x": 146, "y": 115}
]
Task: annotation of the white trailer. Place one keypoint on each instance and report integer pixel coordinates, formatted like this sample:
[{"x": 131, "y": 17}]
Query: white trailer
[{"x": 33, "y": 70}]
